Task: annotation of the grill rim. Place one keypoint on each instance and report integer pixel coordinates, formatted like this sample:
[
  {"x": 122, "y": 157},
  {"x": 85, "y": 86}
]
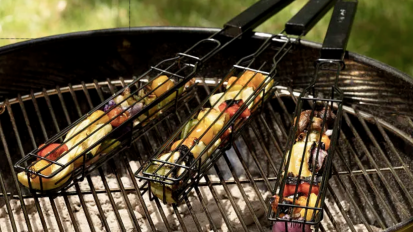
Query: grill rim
[{"x": 196, "y": 30}]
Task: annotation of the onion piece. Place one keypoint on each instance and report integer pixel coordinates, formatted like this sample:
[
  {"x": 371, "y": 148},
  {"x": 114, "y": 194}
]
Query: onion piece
[{"x": 279, "y": 226}]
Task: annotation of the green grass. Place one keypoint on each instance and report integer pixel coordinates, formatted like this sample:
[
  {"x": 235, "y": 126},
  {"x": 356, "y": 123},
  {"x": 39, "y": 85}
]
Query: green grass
[{"x": 382, "y": 29}]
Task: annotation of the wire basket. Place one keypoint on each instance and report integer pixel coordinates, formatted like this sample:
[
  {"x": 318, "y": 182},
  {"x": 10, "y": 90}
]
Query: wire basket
[
  {"x": 206, "y": 134},
  {"x": 301, "y": 186},
  {"x": 117, "y": 122},
  {"x": 54, "y": 163}
]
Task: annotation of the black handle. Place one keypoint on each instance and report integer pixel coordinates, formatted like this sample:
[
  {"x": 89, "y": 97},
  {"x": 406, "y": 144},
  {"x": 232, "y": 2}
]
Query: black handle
[
  {"x": 338, "y": 32},
  {"x": 254, "y": 16},
  {"x": 308, "y": 16}
]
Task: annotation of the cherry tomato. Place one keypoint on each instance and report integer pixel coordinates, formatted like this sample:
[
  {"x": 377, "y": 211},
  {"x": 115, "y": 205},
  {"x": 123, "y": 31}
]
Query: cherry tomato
[
  {"x": 54, "y": 155},
  {"x": 164, "y": 84},
  {"x": 199, "y": 130},
  {"x": 226, "y": 133},
  {"x": 119, "y": 119},
  {"x": 303, "y": 188},
  {"x": 234, "y": 108}
]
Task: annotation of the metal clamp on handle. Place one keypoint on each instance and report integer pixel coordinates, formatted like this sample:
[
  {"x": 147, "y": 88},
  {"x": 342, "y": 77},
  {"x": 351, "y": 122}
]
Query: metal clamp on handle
[
  {"x": 254, "y": 16},
  {"x": 338, "y": 32},
  {"x": 307, "y": 17}
]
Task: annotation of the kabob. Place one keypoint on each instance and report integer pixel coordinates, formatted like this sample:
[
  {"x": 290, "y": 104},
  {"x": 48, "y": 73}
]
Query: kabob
[
  {"x": 198, "y": 139},
  {"x": 96, "y": 126},
  {"x": 301, "y": 184},
  {"x": 307, "y": 156}
]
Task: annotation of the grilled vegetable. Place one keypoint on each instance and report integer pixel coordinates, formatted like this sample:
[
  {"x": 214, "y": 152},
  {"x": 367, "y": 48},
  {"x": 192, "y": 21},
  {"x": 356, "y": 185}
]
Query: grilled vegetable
[
  {"x": 188, "y": 157},
  {"x": 191, "y": 123},
  {"x": 309, "y": 160},
  {"x": 47, "y": 184},
  {"x": 303, "y": 188},
  {"x": 280, "y": 226},
  {"x": 203, "y": 132},
  {"x": 54, "y": 155},
  {"x": 80, "y": 137},
  {"x": 311, "y": 203},
  {"x": 118, "y": 115},
  {"x": 196, "y": 135},
  {"x": 212, "y": 116},
  {"x": 299, "y": 209},
  {"x": 233, "y": 108},
  {"x": 161, "y": 84}
]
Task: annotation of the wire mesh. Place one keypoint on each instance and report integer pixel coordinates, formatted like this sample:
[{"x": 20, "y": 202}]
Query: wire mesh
[
  {"x": 118, "y": 121},
  {"x": 199, "y": 142},
  {"x": 301, "y": 186}
]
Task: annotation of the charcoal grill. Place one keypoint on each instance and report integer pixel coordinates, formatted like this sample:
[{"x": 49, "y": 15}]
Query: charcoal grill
[{"x": 370, "y": 190}]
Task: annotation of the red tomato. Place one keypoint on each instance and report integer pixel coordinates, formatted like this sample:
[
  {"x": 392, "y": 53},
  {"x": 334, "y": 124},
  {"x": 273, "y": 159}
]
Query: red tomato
[
  {"x": 119, "y": 119},
  {"x": 234, "y": 108},
  {"x": 303, "y": 188},
  {"x": 54, "y": 155}
]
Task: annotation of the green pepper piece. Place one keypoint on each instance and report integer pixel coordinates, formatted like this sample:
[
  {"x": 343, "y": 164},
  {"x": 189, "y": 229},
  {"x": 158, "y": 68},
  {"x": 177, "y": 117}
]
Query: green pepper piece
[{"x": 188, "y": 127}]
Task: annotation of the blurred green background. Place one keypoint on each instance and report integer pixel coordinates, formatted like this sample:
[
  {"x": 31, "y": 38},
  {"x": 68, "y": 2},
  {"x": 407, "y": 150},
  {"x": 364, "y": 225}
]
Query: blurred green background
[{"x": 381, "y": 29}]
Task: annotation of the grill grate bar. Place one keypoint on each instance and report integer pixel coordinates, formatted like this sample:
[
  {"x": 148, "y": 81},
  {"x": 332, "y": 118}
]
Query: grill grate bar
[
  {"x": 261, "y": 139},
  {"x": 71, "y": 215},
  {"x": 99, "y": 169},
  {"x": 393, "y": 149},
  {"x": 98, "y": 205},
  {"x": 136, "y": 189},
  {"x": 188, "y": 204},
  {"x": 82, "y": 201},
  {"x": 19, "y": 143},
  {"x": 371, "y": 159},
  {"x": 356, "y": 183},
  {"x": 36, "y": 106},
  {"x": 85, "y": 209},
  {"x": 111, "y": 200},
  {"x": 231, "y": 199},
  {"x": 241, "y": 189},
  {"x": 115, "y": 170},
  {"x": 386, "y": 160},
  {"x": 204, "y": 207},
  {"x": 340, "y": 207},
  {"x": 11, "y": 215},
  {"x": 19, "y": 193},
  {"x": 26, "y": 119},
  {"x": 371, "y": 171},
  {"x": 178, "y": 216},
  {"x": 252, "y": 152},
  {"x": 69, "y": 208},
  {"x": 220, "y": 208},
  {"x": 249, "y": 176}
]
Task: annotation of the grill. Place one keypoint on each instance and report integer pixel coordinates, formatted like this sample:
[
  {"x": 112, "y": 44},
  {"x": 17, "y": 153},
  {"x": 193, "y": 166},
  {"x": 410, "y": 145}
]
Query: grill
[{"x": 371, "y": 184}]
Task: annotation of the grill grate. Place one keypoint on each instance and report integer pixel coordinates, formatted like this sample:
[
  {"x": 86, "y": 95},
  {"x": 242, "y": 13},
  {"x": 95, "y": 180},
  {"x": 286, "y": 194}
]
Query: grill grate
[{"x": 113, "y": 198}]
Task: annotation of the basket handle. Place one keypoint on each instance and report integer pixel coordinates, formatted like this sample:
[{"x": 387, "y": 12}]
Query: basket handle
[
  {"x": 254, "y": 16},
  {"x": 307, "y": 17},
  {"x": 338, "y": 32}
]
